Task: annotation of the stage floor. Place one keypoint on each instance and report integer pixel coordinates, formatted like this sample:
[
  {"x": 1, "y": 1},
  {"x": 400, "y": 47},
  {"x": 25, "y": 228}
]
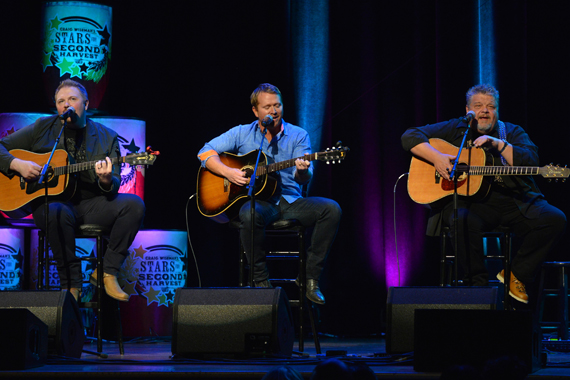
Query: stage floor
[{"x": 152, "y": 358}]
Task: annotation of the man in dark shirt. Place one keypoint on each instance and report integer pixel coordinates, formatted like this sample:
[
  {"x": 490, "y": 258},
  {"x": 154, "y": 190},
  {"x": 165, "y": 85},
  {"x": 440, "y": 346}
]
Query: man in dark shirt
[
  {"x": 96, "y": 199},
  {"x": 512, "y": 201}
]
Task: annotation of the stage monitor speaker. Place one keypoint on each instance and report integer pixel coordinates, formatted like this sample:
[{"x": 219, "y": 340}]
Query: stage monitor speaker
[
  {"x": 59, "y": 311},
  {"x": 232, "y": 322},
  {"x": 403, "y": 301},
  {"x": 472, "y": 337},
  {"x": 24, "y": 340}
]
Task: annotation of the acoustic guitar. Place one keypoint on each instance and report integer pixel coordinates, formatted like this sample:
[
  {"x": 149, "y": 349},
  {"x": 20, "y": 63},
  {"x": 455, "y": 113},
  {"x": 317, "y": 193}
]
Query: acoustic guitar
[
  {"x": 220, "y": 200},
  {"x": 426, "y": 186},
  {"x": 16, "y": 194}
]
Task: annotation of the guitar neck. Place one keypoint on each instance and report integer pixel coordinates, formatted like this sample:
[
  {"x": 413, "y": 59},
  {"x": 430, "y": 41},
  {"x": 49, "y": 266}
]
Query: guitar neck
[
  {"x": 75, "y": 168},
  {"x": 504, "y": 170},
  {"x": 270, "y": 168}
]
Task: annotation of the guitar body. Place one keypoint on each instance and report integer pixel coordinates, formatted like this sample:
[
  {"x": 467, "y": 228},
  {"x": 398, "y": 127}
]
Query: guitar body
[
  {"x": 220, "y": 199},
  {"x": 17, "y": 195},
  {"x": 425, "y": 186}
]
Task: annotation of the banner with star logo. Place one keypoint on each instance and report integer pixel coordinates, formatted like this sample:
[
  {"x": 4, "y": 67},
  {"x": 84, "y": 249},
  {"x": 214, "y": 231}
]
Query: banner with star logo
[
  {"x": 156, "y": 266},
  {"x": 11, "y": 258},
  {"x": 77, "y": 39}
]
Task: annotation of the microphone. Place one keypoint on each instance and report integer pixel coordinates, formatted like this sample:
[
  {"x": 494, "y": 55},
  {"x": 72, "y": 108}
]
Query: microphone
[
  {"x": 267, "y": 120},
  {"x": 70, "y": 111},
  {"x": 467, "y": 118}
]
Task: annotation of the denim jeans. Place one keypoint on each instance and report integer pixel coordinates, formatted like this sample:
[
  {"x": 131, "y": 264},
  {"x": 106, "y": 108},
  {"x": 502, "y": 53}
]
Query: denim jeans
[{"x": 322, "y": 214}]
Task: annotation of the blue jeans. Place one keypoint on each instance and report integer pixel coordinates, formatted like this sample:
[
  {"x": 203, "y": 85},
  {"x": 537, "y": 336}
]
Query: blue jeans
[
  {"x": 321, "y": 213},
  {"x": 122, "y": 214}
]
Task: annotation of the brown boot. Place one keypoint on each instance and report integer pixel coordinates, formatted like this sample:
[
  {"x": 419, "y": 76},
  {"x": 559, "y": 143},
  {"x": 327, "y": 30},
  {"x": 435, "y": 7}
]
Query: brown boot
[
  {"x": 516, "y": 288},
  {"x": 113, "y": 289}
]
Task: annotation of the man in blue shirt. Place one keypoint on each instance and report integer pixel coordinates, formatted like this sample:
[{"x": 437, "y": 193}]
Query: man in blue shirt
[{"x": 282, "y": 141}]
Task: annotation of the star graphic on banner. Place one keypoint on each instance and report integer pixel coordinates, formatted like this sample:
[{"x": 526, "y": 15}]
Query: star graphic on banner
[
  {"x": 140, "y": 251},
  {"x": 46, "y": 60},
  {"x": 84, "y": 67},
  {"x": 64, "y": 67},
  {"x": 162, "y": 300},
  {"x": 55, "y": 23},
  {"x": 11, "y": 130},
  {"x": 170, "y": 296},
  {"x": 132, "y": 147},
  {"x": 104, "y": 36},
  {"x": 151, "y": 296},
  {"x": 75, "y": 72},
  {"x": 130, "y": 288},
  {"x": 17, "y": 258}
]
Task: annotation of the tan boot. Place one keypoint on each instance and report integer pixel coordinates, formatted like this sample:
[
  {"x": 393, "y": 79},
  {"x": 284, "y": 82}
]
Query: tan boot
[
  {"x": 75, "y": 292},
  {"x": 516, "y": 288},
  {"x": 113, "y": 289}
]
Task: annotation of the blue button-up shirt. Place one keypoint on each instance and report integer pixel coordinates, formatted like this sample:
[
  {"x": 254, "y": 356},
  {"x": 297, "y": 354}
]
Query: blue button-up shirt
[{"x": 291, "y": 142}]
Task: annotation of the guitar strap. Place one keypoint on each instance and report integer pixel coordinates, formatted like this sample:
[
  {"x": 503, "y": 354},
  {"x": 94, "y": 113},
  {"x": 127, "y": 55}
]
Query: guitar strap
[{"x": 503, "y": 136}]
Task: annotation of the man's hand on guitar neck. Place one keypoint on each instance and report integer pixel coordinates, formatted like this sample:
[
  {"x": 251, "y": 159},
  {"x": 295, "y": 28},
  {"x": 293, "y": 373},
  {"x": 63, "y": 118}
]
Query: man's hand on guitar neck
[
  {"x": 443, "y": 163},
  {"x": 29, "y": 170}
]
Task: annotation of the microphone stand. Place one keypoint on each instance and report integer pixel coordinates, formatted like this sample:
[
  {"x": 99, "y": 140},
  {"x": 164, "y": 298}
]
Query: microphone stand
[
  {"x": 455, "y": 202},
  {"x": 251, "y": 194},
  {"x": 46, "y": 203}
]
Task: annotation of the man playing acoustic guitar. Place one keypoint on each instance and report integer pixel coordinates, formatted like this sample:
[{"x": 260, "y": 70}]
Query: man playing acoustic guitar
[
  {"x": 283, "y": 141},
  {"x": 95, "y": 200},
  {"x": 512, "y": 200}
]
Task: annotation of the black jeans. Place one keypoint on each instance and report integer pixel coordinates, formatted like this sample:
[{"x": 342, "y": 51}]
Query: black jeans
[
  {"x": 322, "y": 213},
  {"x": 122, "y": 214},
  {"x": 539, "y": 235}
]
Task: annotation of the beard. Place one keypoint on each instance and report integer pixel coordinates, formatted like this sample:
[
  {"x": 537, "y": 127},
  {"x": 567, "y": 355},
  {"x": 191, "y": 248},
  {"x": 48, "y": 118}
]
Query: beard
[{"x": 484, "y": 128}]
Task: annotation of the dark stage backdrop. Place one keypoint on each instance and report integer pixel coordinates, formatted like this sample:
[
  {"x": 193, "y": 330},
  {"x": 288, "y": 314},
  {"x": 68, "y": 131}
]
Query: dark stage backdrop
[{"x": 187, "y": 68}]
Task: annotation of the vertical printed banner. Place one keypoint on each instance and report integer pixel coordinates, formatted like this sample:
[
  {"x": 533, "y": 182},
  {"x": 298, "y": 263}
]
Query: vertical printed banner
[
  {"x": 11, "y": 258},
  {"x": 76, "y": 44},
  {"x": 131, "y": 140},
  {"x": 154, "y": 269}
]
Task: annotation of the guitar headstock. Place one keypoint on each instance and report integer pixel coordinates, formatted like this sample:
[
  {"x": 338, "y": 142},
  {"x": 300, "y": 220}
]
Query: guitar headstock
[
  {"x": 333, "y": 155},
  {"x": 140, "y": 158},
  {"x": 554, "y": 172}
]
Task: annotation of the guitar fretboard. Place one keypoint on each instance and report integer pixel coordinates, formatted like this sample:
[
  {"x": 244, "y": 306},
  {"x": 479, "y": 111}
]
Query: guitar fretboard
[
  {"x": 74, "y": 168},
  {"x": 270, "y": 168},
  {"x": 504, "y": 170}
]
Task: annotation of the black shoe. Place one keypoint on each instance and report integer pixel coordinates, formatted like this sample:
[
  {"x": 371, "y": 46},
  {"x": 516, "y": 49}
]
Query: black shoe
[
  {"x": 263, "y": 284},
  {"x": 314, "y": 293}
]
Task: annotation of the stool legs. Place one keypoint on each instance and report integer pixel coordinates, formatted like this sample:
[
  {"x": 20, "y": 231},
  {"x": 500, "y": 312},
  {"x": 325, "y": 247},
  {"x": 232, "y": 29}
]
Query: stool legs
[
  {"x": 561, "y": 293},
  {"x": 563, "y": 304}
]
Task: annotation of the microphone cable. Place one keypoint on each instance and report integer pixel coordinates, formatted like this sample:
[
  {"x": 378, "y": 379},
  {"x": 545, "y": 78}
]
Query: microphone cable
[
  {"x": 190, "y": 243},
  {"x": 395, "y": 238}
]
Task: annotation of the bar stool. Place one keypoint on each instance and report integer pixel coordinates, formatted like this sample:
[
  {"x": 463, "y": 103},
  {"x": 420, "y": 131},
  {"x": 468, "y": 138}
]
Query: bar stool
[
  {"x": 561, "y": 294},
  {"x": 101, "y": 235},
  {"x": 449, "y": 263},
  {"x": 287, "y": 228}
]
